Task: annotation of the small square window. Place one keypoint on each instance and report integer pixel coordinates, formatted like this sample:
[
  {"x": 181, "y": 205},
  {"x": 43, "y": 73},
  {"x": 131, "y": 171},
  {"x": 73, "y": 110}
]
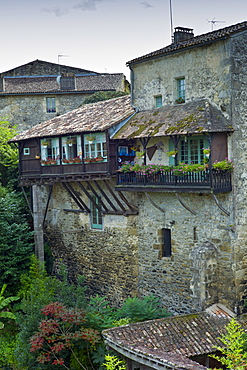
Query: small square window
[
  {"x": 26, "y": 151},
  {"x": 158, "y": 101}
]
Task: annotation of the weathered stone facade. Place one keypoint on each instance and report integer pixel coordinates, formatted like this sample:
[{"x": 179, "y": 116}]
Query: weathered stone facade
[
  {"x": 24, "y": 90},
  {"x": 208, "y": 230}
]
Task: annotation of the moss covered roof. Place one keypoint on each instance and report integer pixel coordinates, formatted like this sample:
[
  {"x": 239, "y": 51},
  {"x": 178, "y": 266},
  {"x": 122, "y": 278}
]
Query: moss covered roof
[
  {"x": 174, "y": 340},
  {"x": 189, "y": 118}
]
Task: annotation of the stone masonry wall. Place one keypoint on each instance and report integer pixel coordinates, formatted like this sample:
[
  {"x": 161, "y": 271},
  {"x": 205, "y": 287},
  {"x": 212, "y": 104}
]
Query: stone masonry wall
[
  {"x": 27, "y": 111},
  {"x": 108, "y": 258},
  {"x": 124, "y": 259}
]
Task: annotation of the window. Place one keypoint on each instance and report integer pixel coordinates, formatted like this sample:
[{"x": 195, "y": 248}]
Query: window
[
  {"x": 167, "y": 245},
  {"x": 96, "y": 214},
  {"x": 191, "y": 150},
  {"x": 181, "y": 90},
  {"x": 49, "y": 151},
  {"x": 158, "y": 101},
  {"x": 95, "y": 146},
  {"x": 26, "y": 151},
  {"x": 71, "y": 149},
  {"x": 50, "y": 105}
]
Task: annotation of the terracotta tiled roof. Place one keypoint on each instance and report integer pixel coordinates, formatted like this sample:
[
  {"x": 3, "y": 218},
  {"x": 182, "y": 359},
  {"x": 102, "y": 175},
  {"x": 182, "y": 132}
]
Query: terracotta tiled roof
[
  {"x": 172, "y": 339},
  {"x": 89, "y": 117},
  {"x": 49, "y": 84},
  {"x": 195, "y": 41},
  {"x": 193, "y": 117}
]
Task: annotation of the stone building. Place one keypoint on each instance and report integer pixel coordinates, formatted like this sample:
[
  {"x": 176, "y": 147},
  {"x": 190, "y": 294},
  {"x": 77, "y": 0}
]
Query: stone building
[
  {"x": 39, "y": 90},
  {"x": 153, "y": 225}
]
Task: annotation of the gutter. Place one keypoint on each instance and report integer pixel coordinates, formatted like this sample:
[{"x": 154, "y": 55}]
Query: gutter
[{"x": 148, "y": 359}]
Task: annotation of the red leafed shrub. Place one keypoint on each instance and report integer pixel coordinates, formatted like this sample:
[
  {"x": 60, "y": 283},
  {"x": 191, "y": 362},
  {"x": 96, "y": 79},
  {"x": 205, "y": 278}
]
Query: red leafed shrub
[{"x": 59, "y": 333}]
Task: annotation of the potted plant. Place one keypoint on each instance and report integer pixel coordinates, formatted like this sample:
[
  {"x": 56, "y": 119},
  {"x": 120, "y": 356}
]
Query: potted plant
[
  {"x": 45, "y": 143},
  {"x": 77, "y": 160},
  {"x": 172, "y": 153},
  {"x": 90, "y": 138},
  {"x": 87, "y": 159},
  {"x": 140, "y": 155},
  {"x": 65, "y": 160},
  {"x": 71, "y": 141},
  {"x": 179, "y": 101},
  {"x": 99, "y": 158},
  {"x": 206, "y": 151},
  {"x": 225, "y": 165}
]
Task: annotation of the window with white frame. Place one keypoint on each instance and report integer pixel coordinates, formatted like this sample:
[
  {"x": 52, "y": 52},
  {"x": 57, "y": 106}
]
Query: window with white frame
[
  {"x": 180, "y": 90},
  {"x": 96, "y": 213},
  {"x": 71, "y": 149},
  {"x": 95, "y": 146},
  {"x": 50, "y": 151},
  {"x": 50, "y": 105},
  {"x": 158, "y": 101}
]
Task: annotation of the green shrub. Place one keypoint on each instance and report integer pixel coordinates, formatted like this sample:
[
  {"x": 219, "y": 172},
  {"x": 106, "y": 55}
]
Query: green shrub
[{"x": 142, "y": 309}]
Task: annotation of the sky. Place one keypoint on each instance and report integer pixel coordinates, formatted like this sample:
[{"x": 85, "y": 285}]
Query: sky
[{"x": 102, "y": 35}]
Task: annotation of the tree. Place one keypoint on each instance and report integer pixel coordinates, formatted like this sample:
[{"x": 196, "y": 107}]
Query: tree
[
  {"x": 59, "y": 333},
  {"x": 103, "y": 95},
  {"x": 234, "y": 356},
  {"x": 8, "y": 152},
  {"x": 16, "y": 240}
]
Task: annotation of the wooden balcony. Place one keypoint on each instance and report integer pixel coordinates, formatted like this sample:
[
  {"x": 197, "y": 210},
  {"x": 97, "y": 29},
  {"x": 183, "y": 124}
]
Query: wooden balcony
[{"x": 207, "y": 181}]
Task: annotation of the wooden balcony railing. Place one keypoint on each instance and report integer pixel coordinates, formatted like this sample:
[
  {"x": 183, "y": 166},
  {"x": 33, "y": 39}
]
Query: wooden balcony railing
[{"x": 204, "y": 181}]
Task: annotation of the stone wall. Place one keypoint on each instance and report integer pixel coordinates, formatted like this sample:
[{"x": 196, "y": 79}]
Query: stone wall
[
  {"x": 26, "y": 111},
  {"x": 125, "y": 258},
  {"x": 206, "y": 70}
]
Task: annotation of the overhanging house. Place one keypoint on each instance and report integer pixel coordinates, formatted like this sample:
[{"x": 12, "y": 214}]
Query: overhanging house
[
  {"x": 120, "y": 210},
  {"x": 39, "y": 90}
]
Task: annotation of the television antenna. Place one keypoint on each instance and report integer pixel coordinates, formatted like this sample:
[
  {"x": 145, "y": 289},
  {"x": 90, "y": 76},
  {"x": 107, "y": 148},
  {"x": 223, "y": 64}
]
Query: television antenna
[
  {"x": 61, "y": 56},
  {"x": 171, "y": 18},
  {"x": 213, "y": 22}
]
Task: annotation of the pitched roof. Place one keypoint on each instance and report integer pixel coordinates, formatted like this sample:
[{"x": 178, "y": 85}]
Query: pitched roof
[
  {"x": 89, "y": 117},
  {"x": 195, "y": 41},
  {"x": 189, "y": 118},
  {"x": 34, "y": 67},
  {"x": 174, "y": 339},
  {"x": 49, "y": 84}
]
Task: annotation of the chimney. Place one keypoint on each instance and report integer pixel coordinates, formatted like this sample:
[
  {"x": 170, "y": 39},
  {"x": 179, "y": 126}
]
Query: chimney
[{"x": 182, "y": 34}]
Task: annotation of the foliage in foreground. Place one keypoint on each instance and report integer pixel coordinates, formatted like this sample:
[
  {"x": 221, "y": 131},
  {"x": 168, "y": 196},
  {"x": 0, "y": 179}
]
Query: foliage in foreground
[
  {"x": 59, "y": 333},
  {"x": 8, "y": 152},
  {"x": 233, "y": 354},
  {"x": 114, "y": 363},
  {"x": 4, "y": 304},
  {"x": 39, "y": 290},
  {"x": 15, "y": 240}
]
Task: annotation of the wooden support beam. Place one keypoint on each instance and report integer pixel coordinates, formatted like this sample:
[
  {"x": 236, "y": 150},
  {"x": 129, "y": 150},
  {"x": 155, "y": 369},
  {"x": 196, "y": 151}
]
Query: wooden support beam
[
  {"x": 28, "y": 203},
  {"x": 47, "y": 204},
  {"x": 75, "y": 197},
  {"x": 114, "y": 196},
  {"x": 95, "y": 193},
  {"x": 98, "y": 206},
  {"x": 127, "y": 202},
  {"x": 104, "y": 195}
]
